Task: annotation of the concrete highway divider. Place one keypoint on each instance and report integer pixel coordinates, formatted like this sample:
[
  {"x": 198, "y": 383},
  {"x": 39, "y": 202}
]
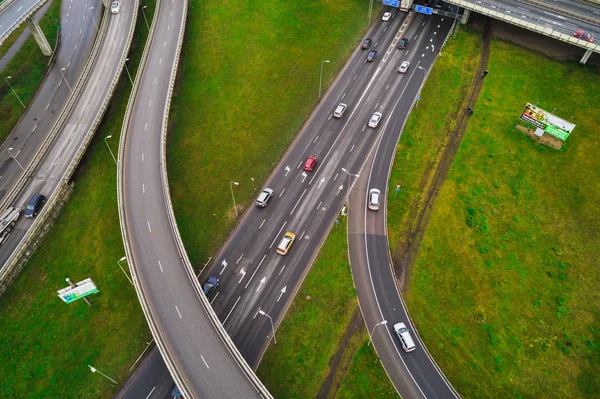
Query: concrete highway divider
[{"x": 5, "y": 4}]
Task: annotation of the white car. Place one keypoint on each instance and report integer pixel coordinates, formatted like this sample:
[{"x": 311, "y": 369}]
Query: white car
[
  {"x": 374, "y": 199},
  {"x": 115, "y": 7},
  {"x": 386, "y": 16},
  {"x": 264, "y": 197},
  {"x": 374, "y": 121},
  {"x": 404, "y": 336},
  {"x": 339, "y": 111},
  {"x": 403, "y": 67}
]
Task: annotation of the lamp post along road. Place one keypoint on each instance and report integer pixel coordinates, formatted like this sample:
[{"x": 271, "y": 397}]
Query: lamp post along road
[
  {"x": 65, "y": 79},
  {"x": 15, "y": 158},
  {"x": 95, "y": 370},
  {"x": 272, "y": 326},
  {"x": 381, "y": 323},
  {"x": 93, "y": 19},
  {"x": 13, "y": 90},
  {"x": 321, "y": 76},
  {"x": 127, "y": 69},
  {"x": 144, "y": 13},
  {"x": 109, "y": 149},
  {"x": 253, "y": 188},
  {"x": 349, "y": 181},
  {"x": 123, "y": 270},
  {"x": 231, "y": 183}
]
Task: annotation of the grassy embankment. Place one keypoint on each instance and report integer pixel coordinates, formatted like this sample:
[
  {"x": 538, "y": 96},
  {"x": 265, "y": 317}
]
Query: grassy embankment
[
  {"x": 505, "y": 287},
  {"x": 27, "y": 68},
  {"x": 47, "y": 345}
]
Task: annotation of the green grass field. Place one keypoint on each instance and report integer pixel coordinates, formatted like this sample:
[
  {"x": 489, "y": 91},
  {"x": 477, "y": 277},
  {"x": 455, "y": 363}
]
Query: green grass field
[
  {"x": 27, "y": 69},
  {"x": 47, "y": 345},
  {"x": 250, "y": 78},
  {"x": 505, "y": 287}
]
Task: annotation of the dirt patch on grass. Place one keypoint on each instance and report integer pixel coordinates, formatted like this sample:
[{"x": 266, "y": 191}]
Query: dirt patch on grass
[
  {"x": 405, "y": 255},
  {"x": 545, "y": 139},
  {"x": 339, "y": 364}
]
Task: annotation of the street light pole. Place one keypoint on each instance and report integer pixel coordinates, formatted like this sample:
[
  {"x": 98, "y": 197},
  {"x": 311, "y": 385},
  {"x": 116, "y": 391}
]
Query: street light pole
[
  {"x": 321, "y": 76},
  {"x": 15, "y": 158},
  {"x": 119, "y": 263},
  {"x": 252, "y": 178},
  {"x": 231, "y": 183},
  {"x": 109, "y": 149},
  {"x": 93, "y": 19},
  {"x": 95, "y": 370},
  {"x": 127, "y": 69},
  {"x": 272, "y": 326},
  {"x": 349, "y": 174},
  {"x": 381, "y": 323},
  {"x": 370, "y": 11},
  {"x": 144, "y": 13},
  {"x": 66, "y": 81},
  {"x": 13, "y": 90}
]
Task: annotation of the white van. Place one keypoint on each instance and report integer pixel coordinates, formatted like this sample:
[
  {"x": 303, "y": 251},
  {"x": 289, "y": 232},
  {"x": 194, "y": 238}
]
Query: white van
[{"x": 407, "y": 342}]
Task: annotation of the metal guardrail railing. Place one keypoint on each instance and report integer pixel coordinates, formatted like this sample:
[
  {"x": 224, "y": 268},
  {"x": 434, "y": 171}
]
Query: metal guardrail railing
[
  {"x": 526, "y": 20},
  {"x": 10, "y": 270},
  {"x": 5, "y": 4},
  {"x": 13, "y": 26},
  {"x": 172, "y": 221},
  {"x": 564, "y": 11}
]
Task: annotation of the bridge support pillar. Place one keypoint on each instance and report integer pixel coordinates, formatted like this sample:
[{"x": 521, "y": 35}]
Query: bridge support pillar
[
  {"x": 37, "y": 33},
  {"x": 465, "y": 16},
  {"x": 106, "y": 3},
  {"x": 586, "y": 56}
]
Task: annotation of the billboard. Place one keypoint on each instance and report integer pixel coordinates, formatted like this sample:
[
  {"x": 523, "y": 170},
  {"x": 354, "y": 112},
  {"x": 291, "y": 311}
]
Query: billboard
[
  {"x": 546, "y": 121},
  {"x": 81, "y": 290}
]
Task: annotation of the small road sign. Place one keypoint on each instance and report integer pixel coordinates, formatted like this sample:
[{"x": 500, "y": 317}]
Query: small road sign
[
  {"x": 424, "y": 10},
  {"x": 393, "y": 3}
]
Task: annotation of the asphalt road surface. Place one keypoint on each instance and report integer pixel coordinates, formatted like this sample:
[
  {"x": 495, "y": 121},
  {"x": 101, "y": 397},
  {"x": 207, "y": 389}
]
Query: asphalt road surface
[
  {"x": 78, "y": 31},
  {"x": 15, "y": 14},
  {"x": 186, "y": 335},
  {"x": 413, "y": 374},
  {"x": 253, "y": 276}
]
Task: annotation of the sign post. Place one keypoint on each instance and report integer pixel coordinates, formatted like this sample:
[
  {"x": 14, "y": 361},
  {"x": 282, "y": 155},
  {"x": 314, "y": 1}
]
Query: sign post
[
  {"x": 78, "y": 291},
  {"x": 424, "y": 10}
]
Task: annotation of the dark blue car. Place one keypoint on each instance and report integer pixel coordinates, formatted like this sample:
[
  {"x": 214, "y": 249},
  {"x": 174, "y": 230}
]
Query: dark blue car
[{"x": 34, "y": 205}]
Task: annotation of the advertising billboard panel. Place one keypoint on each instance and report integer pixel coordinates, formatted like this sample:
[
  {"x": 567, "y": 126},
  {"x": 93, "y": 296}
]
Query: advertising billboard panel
[
  {"x": 81, "y": 290},
  {"x": 547, "y": 121}
]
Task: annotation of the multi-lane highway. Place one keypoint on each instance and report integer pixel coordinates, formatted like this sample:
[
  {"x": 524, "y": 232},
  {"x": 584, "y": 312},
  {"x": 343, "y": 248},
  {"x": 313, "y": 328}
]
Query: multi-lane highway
[
  {"x": 78, "y": 31},
  {"x": 78, "y": 122},
  {"x": 196, "y": 354},
  {"x": 252, "y": 275}
]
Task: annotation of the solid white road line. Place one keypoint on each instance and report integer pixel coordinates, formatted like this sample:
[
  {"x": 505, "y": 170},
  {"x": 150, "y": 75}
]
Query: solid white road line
[
  {"x": 206, "y": 364},
  {"x": 229, "y": 314},
  {"x": 160, "y": 265},
  {"x": 179, "y": 313},
  {"x": 248, "y": 283},
  {"x": 299, "y": 199}
]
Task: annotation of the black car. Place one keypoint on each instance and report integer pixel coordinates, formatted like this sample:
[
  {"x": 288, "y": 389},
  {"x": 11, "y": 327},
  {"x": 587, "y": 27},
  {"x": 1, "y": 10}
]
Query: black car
[
  {"x": 371, "y": 56},
  {"x": 403, "y": 43},
  {"x": 366, "y": 43},
  {"x": 34, "y": 205},
  {"x": 210, "y": 286}
]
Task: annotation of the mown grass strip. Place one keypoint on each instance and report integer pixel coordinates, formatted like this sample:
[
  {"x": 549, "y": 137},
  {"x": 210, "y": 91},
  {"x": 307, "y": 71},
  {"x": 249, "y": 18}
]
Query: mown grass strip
[
  {"x": 27, "y": 70},
  {"x": 504, "y": 291},
  {"x": 47, "y": 345}
]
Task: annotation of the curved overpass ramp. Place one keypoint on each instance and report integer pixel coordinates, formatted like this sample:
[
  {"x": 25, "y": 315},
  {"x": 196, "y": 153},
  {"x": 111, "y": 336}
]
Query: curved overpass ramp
[
  {"x": 14, "y": 13},
  {"x": 199, "y": 354}
]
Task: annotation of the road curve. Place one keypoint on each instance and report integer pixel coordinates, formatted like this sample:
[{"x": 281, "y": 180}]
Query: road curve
[
  {"x": 414, "y": 374},
  {"x": 203, "y": 362}
]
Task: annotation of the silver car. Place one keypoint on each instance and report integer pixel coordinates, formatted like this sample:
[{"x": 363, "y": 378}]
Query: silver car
[
  {"x": 264, "y": 197},
  {"x": 374, "y": 199},
  {"x": 339, "y": 111},
  {"x": 115, "y": 7},
  {"x": 374, "y": 121},
  {"x": 403, "y": 67}
]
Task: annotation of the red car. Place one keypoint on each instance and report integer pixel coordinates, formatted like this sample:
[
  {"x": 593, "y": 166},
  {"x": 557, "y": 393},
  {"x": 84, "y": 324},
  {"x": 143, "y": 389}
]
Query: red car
[
  {"x": 584, "y": 36},
  {"x": 311, "y": 162}
]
